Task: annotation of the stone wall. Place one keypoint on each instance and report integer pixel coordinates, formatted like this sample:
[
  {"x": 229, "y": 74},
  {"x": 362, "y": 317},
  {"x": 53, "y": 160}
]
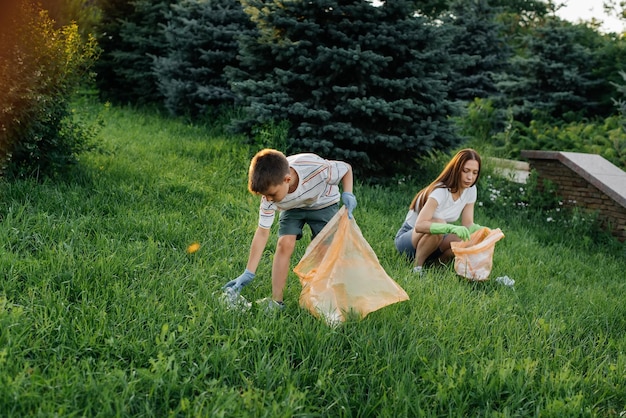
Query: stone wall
[{"x": 588, "y": 181}]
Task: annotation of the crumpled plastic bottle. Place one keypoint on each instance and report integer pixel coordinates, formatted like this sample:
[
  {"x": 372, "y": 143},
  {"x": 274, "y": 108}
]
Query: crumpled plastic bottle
[
  {"x": 233, "y": 300},
  {"x": 506, "y": 280}
]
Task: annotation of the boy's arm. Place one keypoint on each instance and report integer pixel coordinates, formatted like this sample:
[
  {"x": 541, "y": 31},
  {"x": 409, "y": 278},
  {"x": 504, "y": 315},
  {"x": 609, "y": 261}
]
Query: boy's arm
[
  {"x": 256, "y": 251},
  {"x": 257, "y": 247},
  {"x": 347, "y": 183},
  {"x": 347, "y": 180}
]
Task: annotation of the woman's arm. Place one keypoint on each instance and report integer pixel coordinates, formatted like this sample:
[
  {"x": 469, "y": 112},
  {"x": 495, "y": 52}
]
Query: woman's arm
[
  {"x": 467, "y": 216},
  {"x": 425, "y": 217}
]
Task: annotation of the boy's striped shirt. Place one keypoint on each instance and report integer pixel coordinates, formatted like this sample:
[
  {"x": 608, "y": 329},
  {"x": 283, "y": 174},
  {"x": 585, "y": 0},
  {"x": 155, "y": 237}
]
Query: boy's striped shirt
[{"x": 318, "y": 181}]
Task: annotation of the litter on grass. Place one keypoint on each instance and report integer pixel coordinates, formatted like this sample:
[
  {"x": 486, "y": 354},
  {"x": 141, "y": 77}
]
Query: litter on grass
[
  {"x": 233, "y": 300},
  {"x": 506, "y": 281},
  {"x": 341, "y": 275}
]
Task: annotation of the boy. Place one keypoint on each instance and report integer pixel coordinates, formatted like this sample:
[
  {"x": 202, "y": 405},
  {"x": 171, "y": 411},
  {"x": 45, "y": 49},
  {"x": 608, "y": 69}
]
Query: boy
[{"x": 304, "y": 188}]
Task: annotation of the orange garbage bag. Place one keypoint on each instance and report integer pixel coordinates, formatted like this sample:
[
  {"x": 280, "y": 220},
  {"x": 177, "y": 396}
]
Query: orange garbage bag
[
  {"x": 340, "y": 273},
  {"x": 473, "y": 259}
]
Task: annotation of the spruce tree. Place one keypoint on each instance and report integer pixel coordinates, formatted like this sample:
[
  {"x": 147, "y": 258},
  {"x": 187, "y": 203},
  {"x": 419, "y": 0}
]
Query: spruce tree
[
  {"x": 480, "y": 41},
  {"x": 201, "y": 40},
  {"x": 551, "y": 78},
  {"x": 130, "y": 34},
  {"x": 356, "y": 82}
]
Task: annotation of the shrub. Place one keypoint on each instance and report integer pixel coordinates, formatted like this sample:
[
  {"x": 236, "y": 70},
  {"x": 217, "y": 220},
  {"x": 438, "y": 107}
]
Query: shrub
[
  {"x": 40, "y": 68},
  {"x": 487, "y": 127}
]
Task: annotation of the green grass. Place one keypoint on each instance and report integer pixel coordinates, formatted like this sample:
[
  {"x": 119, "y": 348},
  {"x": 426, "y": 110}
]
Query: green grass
[{"x": 103, "y": 312}]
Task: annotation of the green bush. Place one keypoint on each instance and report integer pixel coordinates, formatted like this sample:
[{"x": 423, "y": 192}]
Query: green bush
[
  {"x": 85, "y": 13},
  {"x": 603, "y": 137},
  {"x": 40, "y": 68},
  {"x": 487, "y": 127}
]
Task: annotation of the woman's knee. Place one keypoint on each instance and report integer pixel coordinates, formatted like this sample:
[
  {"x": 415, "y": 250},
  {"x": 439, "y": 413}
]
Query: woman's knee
[{"x": 429, "y": 240}]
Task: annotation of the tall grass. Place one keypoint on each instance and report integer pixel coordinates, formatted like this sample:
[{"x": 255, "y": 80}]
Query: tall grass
[{"x": 104, "y": 313}]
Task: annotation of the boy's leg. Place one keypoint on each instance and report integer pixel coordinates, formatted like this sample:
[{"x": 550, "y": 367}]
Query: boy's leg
[
  {"x": 280, "y": 266},
  {"x": 290, "y": 226}
]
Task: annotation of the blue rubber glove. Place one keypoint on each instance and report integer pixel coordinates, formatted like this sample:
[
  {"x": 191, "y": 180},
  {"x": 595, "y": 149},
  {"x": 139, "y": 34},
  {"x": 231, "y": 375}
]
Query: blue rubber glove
[
  {"x": 461, "y": 231},
  {"x": 246, "y": 277},
  {"x": 349, "y": 201}
]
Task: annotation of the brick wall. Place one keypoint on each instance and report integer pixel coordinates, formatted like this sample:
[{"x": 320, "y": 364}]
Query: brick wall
[{"x": 583, "y": 188}]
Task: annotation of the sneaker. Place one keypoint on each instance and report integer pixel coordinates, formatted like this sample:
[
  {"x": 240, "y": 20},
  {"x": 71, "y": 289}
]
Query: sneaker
[
  {"x": 419, "y": 270},
  {"x": 269, "y": 305}
]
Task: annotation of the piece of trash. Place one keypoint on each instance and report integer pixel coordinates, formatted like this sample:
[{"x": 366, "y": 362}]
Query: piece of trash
[
  {"x": 505, "y": 280},
  {"x": 233, "y": 300},
  {"x": 193, "y": 248}
]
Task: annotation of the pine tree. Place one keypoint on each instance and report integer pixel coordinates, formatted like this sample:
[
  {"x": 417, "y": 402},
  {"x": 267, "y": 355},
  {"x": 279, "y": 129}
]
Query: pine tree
[
  {"x": 201, "y": 40},
  {"x": 130, "y": 34},
  {"x": 552, "y": 77},
  {"x": 481, "y": 43},
  {"x": 356, "y": 82}
]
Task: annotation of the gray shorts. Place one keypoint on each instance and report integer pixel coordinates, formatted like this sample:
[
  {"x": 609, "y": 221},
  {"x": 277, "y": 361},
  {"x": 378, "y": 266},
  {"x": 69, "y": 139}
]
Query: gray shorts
[
  {"x": 403, "y": 241},
  {"x": 404, "y": 245},
  {"x": 292, "y": 221}
]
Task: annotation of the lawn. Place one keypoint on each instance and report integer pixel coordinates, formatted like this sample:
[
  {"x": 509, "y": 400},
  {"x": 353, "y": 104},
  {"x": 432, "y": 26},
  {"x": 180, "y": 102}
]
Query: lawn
[{"x": 103, "y": 312}]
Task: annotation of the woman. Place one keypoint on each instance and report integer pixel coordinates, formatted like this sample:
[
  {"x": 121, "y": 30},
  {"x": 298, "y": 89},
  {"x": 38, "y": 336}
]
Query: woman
[{"x": 427, "y": 230}]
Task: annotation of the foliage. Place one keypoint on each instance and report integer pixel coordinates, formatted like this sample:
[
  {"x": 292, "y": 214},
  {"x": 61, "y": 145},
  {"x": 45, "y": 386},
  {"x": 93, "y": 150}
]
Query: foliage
[
  {"x": 40, "y": 68},
  {"x": 550, "y": 78},
  {"x": 355, "y": 82},
  {"x": 620, "y": 102},
  {"x": 609, "y": 54},
  {"x": 537, "y": 202},
  {"x": 481, "y": 42},
  {"x": 201, "y": 40},
  {"x": 605, "y": 138},
  {"x": 481, "y": 121},
  {"x": 84, "y": 13},
  {"x": 104, "y": 313},
  {"x": 130, "y": 33},
  {"x": 485, "y": 126},
  {"x": 520, "y": 9}
]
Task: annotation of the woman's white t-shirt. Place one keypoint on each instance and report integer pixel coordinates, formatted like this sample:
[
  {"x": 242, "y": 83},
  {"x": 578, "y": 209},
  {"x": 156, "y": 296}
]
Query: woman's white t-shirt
[{"x": 448, "y": 209}]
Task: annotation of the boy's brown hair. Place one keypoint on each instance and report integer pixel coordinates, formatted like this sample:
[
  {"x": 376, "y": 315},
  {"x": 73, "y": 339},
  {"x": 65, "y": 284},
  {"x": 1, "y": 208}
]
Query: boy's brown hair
[{"x": 268, "y": 168}]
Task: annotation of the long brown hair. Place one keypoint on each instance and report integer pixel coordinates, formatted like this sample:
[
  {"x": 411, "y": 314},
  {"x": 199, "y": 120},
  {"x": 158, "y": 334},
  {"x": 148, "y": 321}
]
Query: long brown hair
[{"x": 449, "y": 178}]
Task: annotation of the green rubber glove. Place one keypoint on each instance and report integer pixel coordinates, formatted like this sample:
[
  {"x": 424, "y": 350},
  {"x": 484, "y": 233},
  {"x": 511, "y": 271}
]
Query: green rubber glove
[
  {"x": 474, "y": 227},
  {"x": 461, "y": 231}
]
